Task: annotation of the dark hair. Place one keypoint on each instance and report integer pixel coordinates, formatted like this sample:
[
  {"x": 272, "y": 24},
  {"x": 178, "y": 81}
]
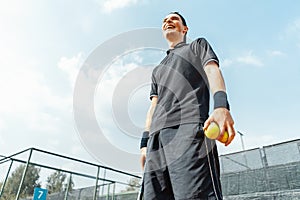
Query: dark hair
[
  {"x": 182, "y": 18},
  {"x": 183, "y": 22}
]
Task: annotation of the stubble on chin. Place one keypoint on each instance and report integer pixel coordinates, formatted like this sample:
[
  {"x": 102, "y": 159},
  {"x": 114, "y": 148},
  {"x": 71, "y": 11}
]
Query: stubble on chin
[{"x": 170, "y": 34}]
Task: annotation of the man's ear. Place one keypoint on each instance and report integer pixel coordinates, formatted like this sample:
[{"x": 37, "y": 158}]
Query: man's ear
[{"x": 185, "y": 29}]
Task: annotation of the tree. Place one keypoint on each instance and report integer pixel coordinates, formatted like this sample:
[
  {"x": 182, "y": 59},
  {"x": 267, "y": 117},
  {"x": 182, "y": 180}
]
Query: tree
[
  {"x": 133, "y": 185},
  {"x": 58, "y": 182},
  {"x": 13, "y": 182}
]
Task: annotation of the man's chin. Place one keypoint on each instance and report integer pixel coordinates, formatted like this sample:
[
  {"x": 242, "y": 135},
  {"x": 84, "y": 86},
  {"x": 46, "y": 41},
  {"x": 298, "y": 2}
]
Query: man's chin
[{"x": 170, "y": 32}]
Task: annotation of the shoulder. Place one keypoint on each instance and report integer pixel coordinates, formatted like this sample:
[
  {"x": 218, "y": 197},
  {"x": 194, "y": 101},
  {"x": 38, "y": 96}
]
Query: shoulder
[
  {"x": 199, "y": 41},
  {"x": 197, "y": 45}
]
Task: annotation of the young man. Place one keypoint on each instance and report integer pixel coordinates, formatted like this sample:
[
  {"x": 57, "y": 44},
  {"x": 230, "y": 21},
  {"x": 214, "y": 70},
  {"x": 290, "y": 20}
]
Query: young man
[{"x": 180, "y": 162}]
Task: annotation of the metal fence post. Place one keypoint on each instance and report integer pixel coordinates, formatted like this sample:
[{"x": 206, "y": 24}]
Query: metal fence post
[
  {"x": 265, "y": 165},
  {"x": 108, "y": 189},
  {"x": 6, "y": 177},
  {"x": 114, "y": 189},
  {"x": 103, "y": 182},
  {"x": 68, "y": 185},
  {"x": 24, "y": 174},
  {"x": 97, "y": 178},
  {"x": 243, "y": 147}
]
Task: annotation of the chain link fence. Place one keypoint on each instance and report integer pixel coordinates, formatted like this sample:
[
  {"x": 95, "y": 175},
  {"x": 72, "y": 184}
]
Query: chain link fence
[
  {"x": 270, "y": 172},
  {"x": 274, "y": 169}
]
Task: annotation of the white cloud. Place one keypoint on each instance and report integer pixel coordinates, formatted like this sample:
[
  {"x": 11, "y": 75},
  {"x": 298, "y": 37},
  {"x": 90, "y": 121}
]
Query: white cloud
[
  {"x": 246, "y": 59},
  {"x": 45, "y": 122},
  {"x": 27, "y": 101},
  {"x": 30, "y": 109},
  {"x": 227, "y": 62},
  {"x": 250, "y": 59},
  {"x": 24, "y": 91},
  {"x": 292, "y": 32},
  {"x": 13, "y": 16},
  {"x": 276, "y": 53},
  {"x": 294, "y": 28},
  {"x": 71, "y": 66},
  {"x": 115, "y": 94},
  {"x": 106, "y": 90},
  {"x": 19, "y": 86},
  {"x": 1, "y": 124},
  {"x": 110, "y": 5},
  {"x": 87, "y": 24},
  {"x": 2, "y": 142},
  {"x": 13, "y": 7}
]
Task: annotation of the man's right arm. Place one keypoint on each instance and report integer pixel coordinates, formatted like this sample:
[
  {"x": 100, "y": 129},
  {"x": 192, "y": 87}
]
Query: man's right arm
[{"x": 147, "y": 128}]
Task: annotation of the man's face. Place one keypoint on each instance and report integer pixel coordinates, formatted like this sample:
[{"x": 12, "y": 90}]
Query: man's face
[{"x": 172, "y": 25}]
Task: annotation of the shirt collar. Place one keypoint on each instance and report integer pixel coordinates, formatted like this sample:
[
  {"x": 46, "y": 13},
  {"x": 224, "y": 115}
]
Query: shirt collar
[{"x": 180, "y": 44}]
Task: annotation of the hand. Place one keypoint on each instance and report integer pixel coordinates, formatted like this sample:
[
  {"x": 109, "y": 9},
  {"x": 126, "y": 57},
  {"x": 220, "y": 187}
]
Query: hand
[
  {"x": 223, "y": 118},
  {"x": 143, "y": 157}
]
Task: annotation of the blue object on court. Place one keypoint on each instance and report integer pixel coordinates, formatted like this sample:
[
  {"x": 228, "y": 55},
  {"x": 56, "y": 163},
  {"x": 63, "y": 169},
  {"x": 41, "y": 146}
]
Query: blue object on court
[{"x": 40, "y": 194}]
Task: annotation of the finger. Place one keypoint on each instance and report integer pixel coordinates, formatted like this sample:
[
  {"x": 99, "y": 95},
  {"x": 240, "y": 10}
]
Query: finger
[
  {"x": 231, "y": 133},
  {"x": 222, "y": 131},
  {"x": 207, "y": 123}
]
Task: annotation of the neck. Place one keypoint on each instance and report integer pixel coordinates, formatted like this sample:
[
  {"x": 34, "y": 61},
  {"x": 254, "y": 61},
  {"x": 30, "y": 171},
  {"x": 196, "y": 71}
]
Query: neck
[{"x": 172, "y": 44}]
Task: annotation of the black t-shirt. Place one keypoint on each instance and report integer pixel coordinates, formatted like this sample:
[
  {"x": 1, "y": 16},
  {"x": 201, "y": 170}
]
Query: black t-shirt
[{"x": 181, "y": 85}]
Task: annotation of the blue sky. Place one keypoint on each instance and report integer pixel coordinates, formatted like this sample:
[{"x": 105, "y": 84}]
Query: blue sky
[{"x": 45, "y": 43}]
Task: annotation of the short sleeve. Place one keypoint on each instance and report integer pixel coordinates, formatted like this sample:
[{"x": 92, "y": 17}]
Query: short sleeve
[
  {"x": 205, "y": 52},
  {"x": 153, "y": 91}
]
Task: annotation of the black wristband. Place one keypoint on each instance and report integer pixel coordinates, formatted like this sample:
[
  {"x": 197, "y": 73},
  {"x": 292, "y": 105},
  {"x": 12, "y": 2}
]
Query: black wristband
[
  {"x": 220, "y": 100},
  {"x": 144, "y": 140}
]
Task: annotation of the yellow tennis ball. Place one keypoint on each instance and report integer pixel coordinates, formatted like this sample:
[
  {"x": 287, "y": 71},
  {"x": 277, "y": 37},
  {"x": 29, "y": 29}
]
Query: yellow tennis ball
[
  {"x": 224, "y": 138},
  {"x": 213, "y": 131}
]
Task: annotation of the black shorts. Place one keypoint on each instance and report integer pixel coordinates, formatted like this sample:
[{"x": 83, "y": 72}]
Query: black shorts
[{"x": 182, "y": 164}]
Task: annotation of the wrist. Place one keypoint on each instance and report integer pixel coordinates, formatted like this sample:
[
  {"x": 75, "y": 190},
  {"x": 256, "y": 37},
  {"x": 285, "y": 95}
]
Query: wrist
[
  {"x": 144, "y": 140},
  {"x": 220, "y": 100}
]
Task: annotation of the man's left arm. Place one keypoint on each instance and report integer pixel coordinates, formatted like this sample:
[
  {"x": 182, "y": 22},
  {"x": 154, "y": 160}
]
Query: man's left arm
[{"x": 221, "y": 113}]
